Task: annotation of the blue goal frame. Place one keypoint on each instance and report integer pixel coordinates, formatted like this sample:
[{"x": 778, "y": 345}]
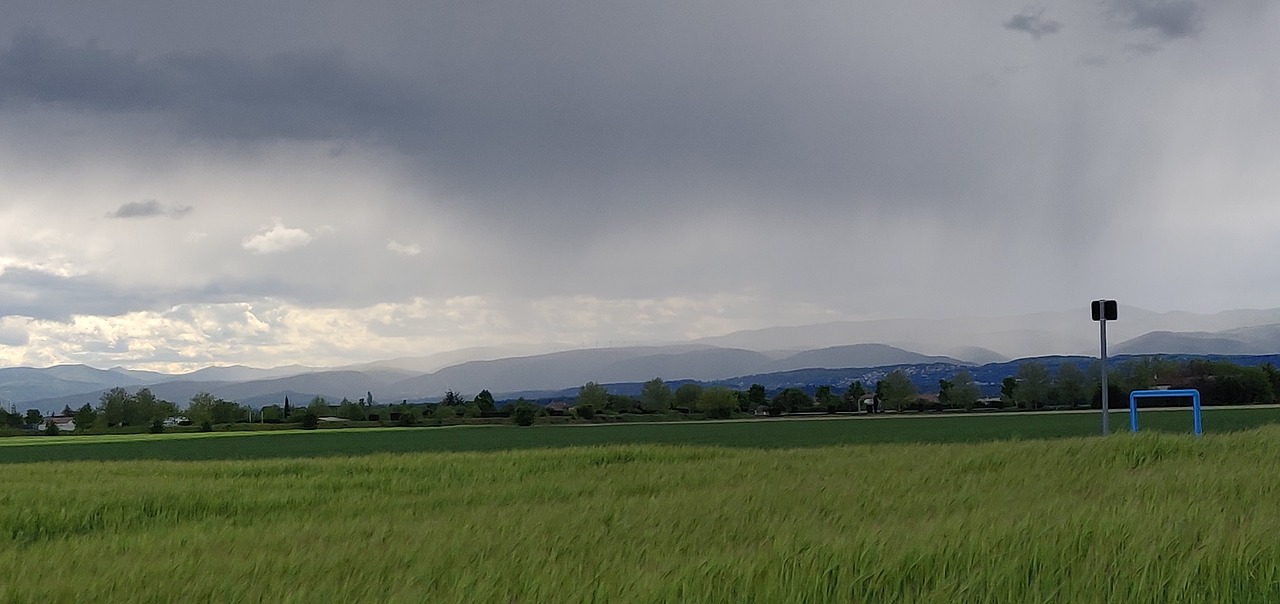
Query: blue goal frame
[{"x": 1137, "y": 394}]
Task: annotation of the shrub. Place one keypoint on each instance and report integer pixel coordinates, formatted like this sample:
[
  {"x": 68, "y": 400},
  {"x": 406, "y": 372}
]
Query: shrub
[
  {"x": 310, "y": 420},
  {"x": 206, "y": 426},
  {"x": 585, "y": 411},
  {"x": 524, "y": 415},
  {"x": 51, "y": 429},
  {"x": 157, "y": 427}
]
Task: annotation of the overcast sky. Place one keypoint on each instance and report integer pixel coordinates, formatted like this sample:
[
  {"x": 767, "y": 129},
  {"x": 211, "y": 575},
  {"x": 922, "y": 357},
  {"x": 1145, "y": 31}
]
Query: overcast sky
[{"x": 324, "y": 182}]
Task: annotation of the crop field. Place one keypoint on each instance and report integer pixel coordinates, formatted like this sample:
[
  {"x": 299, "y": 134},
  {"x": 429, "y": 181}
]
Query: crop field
[
  {"x": 1154, "y": 517},
  {"x": 768, "y": 433}
]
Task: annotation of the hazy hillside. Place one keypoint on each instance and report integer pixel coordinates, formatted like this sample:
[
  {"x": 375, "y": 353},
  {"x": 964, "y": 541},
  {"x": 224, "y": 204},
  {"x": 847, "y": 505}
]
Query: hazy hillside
[
  {"x": 240, "y": 373},
  {"x": 1038, "y": 334},
  {"x": 1166, "y": 342},
  {"x": 20, "y": 384},
  {"x": 854, "y": 355},
  {"x": 575, "y": 367},
  {"x": 1262, "y": 339}
]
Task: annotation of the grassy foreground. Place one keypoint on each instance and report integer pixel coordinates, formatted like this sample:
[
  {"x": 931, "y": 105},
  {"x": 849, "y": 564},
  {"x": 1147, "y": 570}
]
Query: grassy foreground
[{"x": 1146, "y": 518}]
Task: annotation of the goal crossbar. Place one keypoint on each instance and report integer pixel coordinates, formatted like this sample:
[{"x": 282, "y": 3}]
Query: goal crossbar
[{"x": 1137, "y": 394}]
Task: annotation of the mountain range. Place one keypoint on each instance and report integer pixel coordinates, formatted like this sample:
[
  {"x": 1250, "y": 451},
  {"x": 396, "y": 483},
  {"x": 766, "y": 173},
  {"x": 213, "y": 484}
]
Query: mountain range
[{"x": 787, "y": 354}]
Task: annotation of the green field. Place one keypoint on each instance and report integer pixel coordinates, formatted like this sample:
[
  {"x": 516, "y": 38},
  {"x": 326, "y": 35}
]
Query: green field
[
  {"x": 774, "y": 513},
  {"x": 772, "y": 433}
]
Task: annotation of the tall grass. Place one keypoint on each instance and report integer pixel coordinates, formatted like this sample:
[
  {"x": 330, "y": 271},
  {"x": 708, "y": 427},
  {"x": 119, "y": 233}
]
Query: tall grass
[{"x": 1147, "y": 518}]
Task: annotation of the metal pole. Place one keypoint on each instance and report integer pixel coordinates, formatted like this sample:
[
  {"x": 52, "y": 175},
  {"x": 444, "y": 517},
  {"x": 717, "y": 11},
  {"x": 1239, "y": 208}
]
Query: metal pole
[{"x": 1106, "y": 411}]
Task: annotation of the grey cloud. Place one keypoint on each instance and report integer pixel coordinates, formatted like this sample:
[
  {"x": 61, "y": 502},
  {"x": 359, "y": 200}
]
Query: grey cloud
[
  {"x": 148, "y": 208},
  {"x": 1033, "y": 22},
  {"x": 1171, "y": 18},
  {"x": 291, "y": 96},
  {"x": 44, "y": 296},
  {"x": 534, "y": 133},
  {"x": 40, "y": 295}
]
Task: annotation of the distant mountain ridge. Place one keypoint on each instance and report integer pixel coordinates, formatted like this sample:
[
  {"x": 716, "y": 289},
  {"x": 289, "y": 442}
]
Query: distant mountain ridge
[
  {"x": 1038, "y": 334},
  {"x": 773, "y": 351},
  {"x": 1262, "y": 339}
]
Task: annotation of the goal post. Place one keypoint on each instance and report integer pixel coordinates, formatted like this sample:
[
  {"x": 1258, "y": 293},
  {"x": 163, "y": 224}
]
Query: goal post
[{"x": 1137, "y": 394}]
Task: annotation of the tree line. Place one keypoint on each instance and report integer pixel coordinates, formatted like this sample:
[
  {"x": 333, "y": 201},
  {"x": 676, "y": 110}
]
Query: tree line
[{"x": 1035, "y": 385}]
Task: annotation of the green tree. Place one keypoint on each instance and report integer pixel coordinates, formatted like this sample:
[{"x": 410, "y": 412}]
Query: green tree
[
  {"x": 85, "y": 417},
  {"x": 1009, "y": 391},
  {"x": 1033, "y": 385},
  {"x": 757, "y": 397},
  {"x": 11, "y": 420},
  {"x": 351, "y": 411},
  {"x": 944, "y": 391},
  {"x": 964, "y": 391},
  {"x": 897, "y": 390},
  {"x": 34, "y": 417},
  {"x": 205, "y": 407},
  {"x": 1070, "y": 386},
  {"x": 717, "y": 402},
  {"x": 825, "y": 399},
  {"x": 309, "y": 420},
  {"x": 852, "y": 395},
  {"x": 452, "y": 399},
  {"x": 114, "y": 405},
  {"x": 621, "y": 403},
  {"x": 485, "y": 403},
  {"x": 1273, "y": 376},
  {"x": 686, "y": 396},
  {"x": 272, "y": 414},
  {"x": 408, "y": 417},
  {"x": 320, "y": 407},
  {"x": 593, "y": 394},
  {"x": 790, "y": 400},
  {"x": 200, "y": 409},
  {"x": 52, "y": 429},
  {"x": 142, "y": 408},
  {"x": 524, "y": 413},
  {"x": 656, "y": 396}
]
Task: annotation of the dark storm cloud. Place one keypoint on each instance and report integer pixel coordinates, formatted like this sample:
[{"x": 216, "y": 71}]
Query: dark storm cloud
[
  {"x": 149, "y": 208},
  {"x": 1171, "y": 18},
  {"x": 1033, "y": 21},
  {"x": 287, "y": 96},
  {"x": 561, "y": 118}
]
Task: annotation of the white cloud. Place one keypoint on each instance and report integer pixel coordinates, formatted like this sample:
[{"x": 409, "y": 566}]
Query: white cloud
[
  {"x": 276, "y": 239},
  {"x": 404, "y": 249}
]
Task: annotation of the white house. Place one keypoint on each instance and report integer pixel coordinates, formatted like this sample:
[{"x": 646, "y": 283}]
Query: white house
[{"x": 65, "y": 424}]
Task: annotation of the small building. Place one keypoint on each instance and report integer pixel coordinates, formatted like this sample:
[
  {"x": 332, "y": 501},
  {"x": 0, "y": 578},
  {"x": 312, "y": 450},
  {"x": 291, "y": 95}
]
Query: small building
[{"x": 64, "y": 424}]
